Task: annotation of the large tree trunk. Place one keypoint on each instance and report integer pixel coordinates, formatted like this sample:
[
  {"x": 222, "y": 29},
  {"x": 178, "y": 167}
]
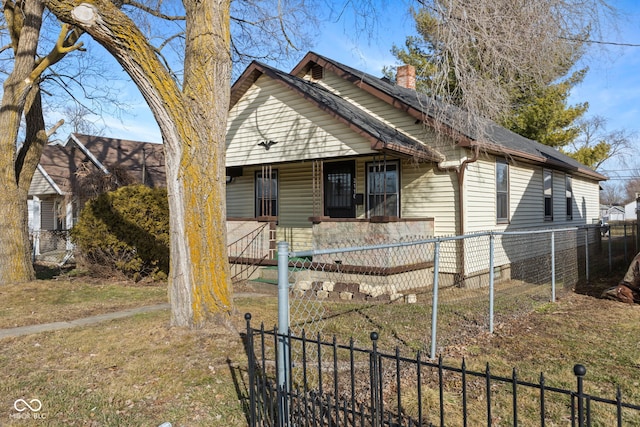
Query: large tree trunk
[
  {"x": 15, "y": 252},
  {"x": 193, "y": 125}
]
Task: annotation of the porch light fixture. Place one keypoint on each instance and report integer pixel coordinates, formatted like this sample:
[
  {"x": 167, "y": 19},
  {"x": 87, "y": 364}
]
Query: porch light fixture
[{"x": 267, "y": 144}]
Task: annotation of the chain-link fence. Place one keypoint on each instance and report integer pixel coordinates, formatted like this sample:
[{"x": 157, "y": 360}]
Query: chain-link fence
[{"x": 453, "y": 287}]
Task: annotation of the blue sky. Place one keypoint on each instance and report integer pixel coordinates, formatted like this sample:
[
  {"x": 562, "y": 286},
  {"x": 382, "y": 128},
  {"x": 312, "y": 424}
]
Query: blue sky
[{"x": 612, "y": 85}]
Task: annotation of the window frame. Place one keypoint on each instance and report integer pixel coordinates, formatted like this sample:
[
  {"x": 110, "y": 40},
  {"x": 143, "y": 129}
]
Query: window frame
[
  {"x": 502, "y": 163},
  {"x": 568, "y": 187},
  {"x": 273, "y": 201},
  {"x": 547, "y": 194},
  {"x": 384, "y": 167}
]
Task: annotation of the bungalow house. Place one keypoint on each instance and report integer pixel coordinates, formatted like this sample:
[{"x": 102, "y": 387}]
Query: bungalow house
[
  {"x": 335, "y": 157},
  {"x": 74, "y": 170}
]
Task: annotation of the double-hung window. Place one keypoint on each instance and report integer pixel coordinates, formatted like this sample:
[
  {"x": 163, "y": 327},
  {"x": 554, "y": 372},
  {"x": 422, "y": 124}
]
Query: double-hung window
[
  {"x": 383, "y": 189},
  {"x": 548, "y": 194},
  {"x": 569, "y": 196},
  {"x": 502, "y": 191},
  {"x": 267, "y": 193}
]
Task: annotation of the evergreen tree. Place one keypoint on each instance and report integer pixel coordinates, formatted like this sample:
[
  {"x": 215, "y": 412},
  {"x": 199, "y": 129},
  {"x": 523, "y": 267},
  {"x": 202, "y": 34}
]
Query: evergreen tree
[{"x": 537, "y": 110}]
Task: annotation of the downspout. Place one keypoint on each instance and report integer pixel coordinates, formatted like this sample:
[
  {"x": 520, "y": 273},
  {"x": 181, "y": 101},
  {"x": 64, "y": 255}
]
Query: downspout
[{"x": 460, "y": 170}]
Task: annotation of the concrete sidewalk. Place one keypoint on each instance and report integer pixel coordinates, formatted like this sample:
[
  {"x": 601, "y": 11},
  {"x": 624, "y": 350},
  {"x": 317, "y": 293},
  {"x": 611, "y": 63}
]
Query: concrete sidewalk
[{"x": 45, "y": 327}]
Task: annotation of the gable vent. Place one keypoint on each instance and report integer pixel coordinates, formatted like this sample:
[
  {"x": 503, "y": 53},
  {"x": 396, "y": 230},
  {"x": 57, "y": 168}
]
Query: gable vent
[{"x": 317, "y": 72}]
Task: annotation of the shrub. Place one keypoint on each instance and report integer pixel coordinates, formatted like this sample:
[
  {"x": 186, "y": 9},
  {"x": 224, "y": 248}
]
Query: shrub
[{"x": 127, "y": 230}]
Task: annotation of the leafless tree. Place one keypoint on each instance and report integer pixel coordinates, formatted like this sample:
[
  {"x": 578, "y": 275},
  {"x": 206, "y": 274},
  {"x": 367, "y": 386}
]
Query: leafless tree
[
  {"x": 595, "y": 144},
  {"x": 489, "y": 49}
]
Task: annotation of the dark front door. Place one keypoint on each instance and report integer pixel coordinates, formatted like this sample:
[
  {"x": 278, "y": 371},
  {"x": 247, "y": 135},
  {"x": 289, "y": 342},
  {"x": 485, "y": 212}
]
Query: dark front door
[{"x": 339, "y": 186}]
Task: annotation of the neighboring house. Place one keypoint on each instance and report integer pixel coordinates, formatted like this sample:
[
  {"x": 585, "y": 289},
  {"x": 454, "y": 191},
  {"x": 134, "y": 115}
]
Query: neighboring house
[
  {"x": 69, "y": 172},
  {"x": 631, "y": 211},
  {"x": 612, "y": 213},
  {"x": 341, "y": 158}
]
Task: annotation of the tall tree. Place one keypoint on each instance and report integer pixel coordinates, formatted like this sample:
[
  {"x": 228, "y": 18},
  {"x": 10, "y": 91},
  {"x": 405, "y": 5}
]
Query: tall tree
[
  {"x": 22, "y": 96},
  {"x": 192, "y": 120},
  {"x": 536, "y": 110},
  {"x": 190, "y": 106},
  {"x": 488, "y": 56}
]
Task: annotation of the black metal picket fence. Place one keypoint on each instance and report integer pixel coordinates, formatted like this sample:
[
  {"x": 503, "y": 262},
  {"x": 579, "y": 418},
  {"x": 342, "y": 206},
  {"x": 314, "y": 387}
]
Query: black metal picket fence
[{"x": 292, "y": 384}]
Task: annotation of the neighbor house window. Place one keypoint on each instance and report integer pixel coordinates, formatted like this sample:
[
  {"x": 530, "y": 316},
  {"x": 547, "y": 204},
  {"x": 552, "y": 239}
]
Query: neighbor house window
[
  {"x": 548, "y": 194},
  {"x": 502, "y": 191},
  {"x": 267, "y": 193},
  {"x": 383, "y": 189},
  {"x": 569, "y": 195}
]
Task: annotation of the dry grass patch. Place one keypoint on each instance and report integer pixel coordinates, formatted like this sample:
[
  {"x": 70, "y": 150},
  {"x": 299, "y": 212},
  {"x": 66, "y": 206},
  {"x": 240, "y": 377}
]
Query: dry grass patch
[
  {"x": 61, "y": 300},
  {"x": 136, "y": 371}
]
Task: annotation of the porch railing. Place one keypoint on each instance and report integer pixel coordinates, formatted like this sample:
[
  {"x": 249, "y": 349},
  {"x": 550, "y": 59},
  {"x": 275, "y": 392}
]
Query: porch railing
[{"x": 249, "y": 252}]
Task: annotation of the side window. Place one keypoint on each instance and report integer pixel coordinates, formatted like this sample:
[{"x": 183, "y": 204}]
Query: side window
[
  {"x": 548, "y": 194},
  {"x": 383, "y": 189},
  {"x": 502, "y": 191},
  {"x": 569, "y": 196},
  {"x": 267, "y": 193}
]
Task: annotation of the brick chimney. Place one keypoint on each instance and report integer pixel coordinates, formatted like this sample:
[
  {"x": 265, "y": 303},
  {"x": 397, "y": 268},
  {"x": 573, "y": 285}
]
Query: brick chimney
[{"x": 406, "y": 76}]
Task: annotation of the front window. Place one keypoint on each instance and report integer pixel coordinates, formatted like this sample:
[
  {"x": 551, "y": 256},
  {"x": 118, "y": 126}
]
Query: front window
[
  {"x": 548, "y": 194},
  {"x": 569, "y": 195},
  {"x": 383, "y": 189},
  {"x": 502, "y": 191},
  {"x": 267, "y": 193}
]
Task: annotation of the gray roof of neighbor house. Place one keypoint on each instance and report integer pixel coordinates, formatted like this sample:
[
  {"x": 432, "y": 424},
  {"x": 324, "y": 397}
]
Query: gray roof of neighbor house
[
  {"x": 63, "y": 162},
  {"x": 445, "y": 118}
]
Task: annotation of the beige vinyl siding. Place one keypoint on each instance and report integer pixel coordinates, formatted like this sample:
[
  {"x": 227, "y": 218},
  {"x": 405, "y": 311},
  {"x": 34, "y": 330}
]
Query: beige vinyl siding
[
  {"x": 480, "y": 195},
  {"x": 586, "y": 201},
  {"x": 430, "y": 193},
  {"x": 40, "y": 185},
  {"x": 301, "y": 130},
  {"x": 526, "y": 197},
  {"x": 240, "y": 195}
]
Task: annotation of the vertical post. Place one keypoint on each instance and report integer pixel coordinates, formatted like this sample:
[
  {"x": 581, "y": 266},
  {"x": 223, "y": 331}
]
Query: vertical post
[
  {"x": 553, "y": 266},
  {"x": 434, "y": 306},
  {"x": 376, "y": 413},
  {"x": 251, "y": 371},
  {"x": 624, "y": 231},
  {"x": 610, "y": 249},
  {"x": 637, "y": 223},
  {"x": 586, "y": 252},
  {"x": 580, "y": 371},
  {"x": 283, "y": 314},
  {"x": 491, "y": 280}
]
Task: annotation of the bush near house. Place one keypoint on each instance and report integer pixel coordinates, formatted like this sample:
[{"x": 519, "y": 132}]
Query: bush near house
[{"x": 126, "y": 230}]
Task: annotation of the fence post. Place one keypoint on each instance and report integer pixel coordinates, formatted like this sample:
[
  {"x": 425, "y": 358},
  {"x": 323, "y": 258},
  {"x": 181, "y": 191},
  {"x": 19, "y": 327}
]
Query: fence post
[
  {"x": 376, "y": 414},
  {"x": 610, "y": 249},
  {"x": 251, "y": 371},
  {"x": 491, "y": 280},
  {"x": 580, "y": 371},
  {"x": 434, "y": 308},
  {"x": 553, "y": 266},
  {"x": 624, "y": 230},
  {"x": 586, "y": 252},
  {"x": 283, "y": 315}
]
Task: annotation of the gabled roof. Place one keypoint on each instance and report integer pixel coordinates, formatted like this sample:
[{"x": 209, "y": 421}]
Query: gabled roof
[
  {"x": 444, "y": 118},
  {"x": 382, "y": 136},
  {"x": 61, "y": 162}
]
